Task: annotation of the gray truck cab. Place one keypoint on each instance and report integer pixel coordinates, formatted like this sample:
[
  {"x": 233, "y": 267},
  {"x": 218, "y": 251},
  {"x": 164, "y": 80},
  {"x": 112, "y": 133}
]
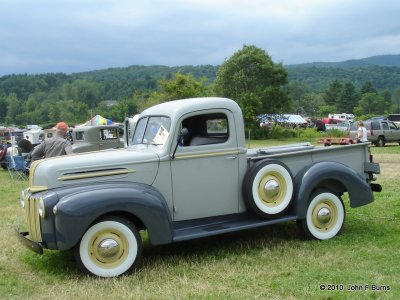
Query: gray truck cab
[{"x": 209, "y": 147}]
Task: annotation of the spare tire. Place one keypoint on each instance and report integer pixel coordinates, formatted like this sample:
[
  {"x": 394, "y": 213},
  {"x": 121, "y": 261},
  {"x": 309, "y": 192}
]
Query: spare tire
[{"x": 268, "y": 188}]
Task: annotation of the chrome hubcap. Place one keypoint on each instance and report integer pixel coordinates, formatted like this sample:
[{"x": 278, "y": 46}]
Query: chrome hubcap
[
  {"x": 324, "y": 215},
  {"x": 271, "y": 188},
  {"x": 108, "y": 248}
]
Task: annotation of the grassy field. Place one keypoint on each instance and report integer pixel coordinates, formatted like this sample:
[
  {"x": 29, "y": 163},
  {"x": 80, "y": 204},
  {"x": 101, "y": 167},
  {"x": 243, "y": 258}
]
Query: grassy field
[{"x": 268, "y": 263}]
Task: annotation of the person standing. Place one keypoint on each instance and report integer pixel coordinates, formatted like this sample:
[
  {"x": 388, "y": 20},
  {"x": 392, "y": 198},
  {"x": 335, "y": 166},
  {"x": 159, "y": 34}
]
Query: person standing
[
  {"x": 361, "y": 133},
  {"x": 55, "y": 146}
]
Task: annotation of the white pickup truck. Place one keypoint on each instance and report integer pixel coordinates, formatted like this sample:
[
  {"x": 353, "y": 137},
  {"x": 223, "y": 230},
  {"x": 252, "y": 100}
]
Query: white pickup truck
[{"x": 187, "y": 174}]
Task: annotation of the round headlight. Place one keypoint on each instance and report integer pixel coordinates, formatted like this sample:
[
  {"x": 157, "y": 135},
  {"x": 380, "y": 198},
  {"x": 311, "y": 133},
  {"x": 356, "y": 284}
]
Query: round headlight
[{"x": 41, "y": 208}]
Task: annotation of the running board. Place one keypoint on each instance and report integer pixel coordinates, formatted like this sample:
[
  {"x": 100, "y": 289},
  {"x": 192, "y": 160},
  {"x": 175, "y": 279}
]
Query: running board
[{"x": 193, "y": 229}]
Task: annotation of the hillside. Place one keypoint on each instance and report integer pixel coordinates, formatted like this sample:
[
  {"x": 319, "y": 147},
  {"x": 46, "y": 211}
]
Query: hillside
[
  {"x": 123, "y": 82},
  {"x": 382, "y": 71},
  {"x": 378, "y": 60}
]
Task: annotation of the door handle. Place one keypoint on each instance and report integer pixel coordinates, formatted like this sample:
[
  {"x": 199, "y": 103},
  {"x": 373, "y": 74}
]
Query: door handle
[{"x": 232, "y": 157}]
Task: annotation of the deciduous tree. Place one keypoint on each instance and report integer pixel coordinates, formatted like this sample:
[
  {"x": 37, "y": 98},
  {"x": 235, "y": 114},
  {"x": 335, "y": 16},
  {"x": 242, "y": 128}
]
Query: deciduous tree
[
  {"x": 179, "y": 86},
  {"x": 370, "y": 103},
  {"x": 255, "y": 82}
]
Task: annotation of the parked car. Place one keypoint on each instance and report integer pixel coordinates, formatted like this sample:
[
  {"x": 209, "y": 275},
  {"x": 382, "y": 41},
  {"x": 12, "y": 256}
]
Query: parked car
[
  {"x": 379, "y": 131},
  {"x": 35, "y": 136},
  {"x": 94, "y": 138}
]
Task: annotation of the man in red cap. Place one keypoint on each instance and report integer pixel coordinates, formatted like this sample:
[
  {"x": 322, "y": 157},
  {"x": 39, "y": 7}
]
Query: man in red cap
[{"x": 55, "y": 146}]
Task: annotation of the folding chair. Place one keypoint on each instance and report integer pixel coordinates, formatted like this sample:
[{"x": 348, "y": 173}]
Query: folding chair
[{"x": 16, "y": 167}]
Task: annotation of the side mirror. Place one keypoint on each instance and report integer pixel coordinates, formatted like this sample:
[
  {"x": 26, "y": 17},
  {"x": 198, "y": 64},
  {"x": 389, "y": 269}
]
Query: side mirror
[{"x": 181, "y": 136}]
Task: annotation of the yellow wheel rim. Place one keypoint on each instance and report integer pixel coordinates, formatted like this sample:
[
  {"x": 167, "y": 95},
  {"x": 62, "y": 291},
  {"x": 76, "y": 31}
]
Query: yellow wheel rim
[
  {"x": 108, "y": 248},
  {"x": 325, "y": 216},
  {"x": 272, "y": 189}
]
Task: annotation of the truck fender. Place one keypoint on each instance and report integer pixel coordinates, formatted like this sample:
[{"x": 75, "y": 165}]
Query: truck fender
[
  {"x": 77, "y": 211},
  {"x": 334, "y": 176}
]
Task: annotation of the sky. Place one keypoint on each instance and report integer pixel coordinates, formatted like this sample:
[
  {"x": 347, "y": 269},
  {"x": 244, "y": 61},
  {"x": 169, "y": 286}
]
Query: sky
[{"x": 41, "y": 36}]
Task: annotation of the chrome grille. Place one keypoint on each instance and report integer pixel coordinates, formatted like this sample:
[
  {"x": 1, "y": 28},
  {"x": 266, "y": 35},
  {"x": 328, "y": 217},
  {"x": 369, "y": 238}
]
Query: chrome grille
[{"x": 33, "y": 218}]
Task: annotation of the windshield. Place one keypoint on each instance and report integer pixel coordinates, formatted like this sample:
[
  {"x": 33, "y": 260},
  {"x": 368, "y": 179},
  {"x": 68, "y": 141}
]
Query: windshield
[{"x": 152, "y": 131}]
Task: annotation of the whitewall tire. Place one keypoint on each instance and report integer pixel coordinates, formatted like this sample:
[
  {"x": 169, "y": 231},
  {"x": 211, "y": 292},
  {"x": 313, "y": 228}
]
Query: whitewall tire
[
  {"x": 268, "y": 188},
  {"x": 109, "y": 248},
  {"x": 325, "y": 216}
]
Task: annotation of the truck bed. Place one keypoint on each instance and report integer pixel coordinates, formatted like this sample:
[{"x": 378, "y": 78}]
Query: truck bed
[
  {"x": 297, "y": 156},
  {"x": 280, "y": 149}
]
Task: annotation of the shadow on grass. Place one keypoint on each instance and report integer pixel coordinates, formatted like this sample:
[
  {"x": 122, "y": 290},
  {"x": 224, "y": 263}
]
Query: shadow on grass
[
  {"x": 55, "y": 263},
  {"x": 247, "y": 242},
  {"x": 278, "y": 237},
  {"x": 61, "y": 264}
]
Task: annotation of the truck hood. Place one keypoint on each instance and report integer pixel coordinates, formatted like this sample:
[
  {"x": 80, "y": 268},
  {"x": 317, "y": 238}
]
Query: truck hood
[{"x": 102, "y": 166}]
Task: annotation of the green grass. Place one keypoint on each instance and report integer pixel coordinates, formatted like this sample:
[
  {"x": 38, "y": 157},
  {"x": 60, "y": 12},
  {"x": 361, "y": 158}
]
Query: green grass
[{"x": 268, "y": 263}]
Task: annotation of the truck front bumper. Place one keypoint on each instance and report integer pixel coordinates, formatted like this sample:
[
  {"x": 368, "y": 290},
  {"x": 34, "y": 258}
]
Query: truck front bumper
[{"x": 23, "y": 237}]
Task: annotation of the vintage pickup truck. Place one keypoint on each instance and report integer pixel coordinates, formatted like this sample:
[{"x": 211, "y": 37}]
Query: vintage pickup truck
[
  {"x": 96, "y": 137},
  {"x": 187, "y": 174}
]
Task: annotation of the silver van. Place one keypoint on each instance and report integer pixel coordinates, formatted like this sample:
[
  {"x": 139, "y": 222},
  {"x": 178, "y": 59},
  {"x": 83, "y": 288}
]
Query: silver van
[{"x": 379, "y": 131}]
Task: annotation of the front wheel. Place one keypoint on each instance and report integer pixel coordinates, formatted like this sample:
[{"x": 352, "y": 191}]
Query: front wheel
[
  {"x": 109, "y": 248},
  {"x": 325, "y": 216}
]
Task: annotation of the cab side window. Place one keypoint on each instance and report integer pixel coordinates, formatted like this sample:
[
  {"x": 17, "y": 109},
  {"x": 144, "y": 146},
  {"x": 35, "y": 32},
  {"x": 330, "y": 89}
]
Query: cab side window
[
  {"x": 108, "y": 134},
  {"x": 79, "y": 136},
  {"x": 206, "y": 129}
]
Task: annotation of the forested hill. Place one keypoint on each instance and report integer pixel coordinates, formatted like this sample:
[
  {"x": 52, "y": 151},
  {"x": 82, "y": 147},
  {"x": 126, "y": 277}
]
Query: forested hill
[
  {"x": 113, "y": 83},
  {"x": 121, "y": 83},
  {"x": 317, "y": 79},
  {"x": 378, "y": 60},
  {"x": 383, "y": 71}
]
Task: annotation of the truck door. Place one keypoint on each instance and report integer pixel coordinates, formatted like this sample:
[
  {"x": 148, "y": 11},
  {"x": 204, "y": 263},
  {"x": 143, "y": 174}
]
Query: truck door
[{"x": 204, "y": 171}]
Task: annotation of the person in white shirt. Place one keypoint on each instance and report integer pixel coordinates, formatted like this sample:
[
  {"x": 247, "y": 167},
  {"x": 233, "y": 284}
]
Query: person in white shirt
[{"x": 361, "y": 133}]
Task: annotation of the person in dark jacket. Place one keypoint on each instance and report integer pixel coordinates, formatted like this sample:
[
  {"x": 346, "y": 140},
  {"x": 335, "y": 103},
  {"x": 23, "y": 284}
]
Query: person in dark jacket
[{"x": 55, "y": 146}]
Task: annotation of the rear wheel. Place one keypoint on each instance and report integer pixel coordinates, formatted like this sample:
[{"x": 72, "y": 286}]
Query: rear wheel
[
  {"x": 109, "y": 248},
  {"x": 325, "y": 216},
  {"x": 381, "y": 141},
  {"x": 268, "y": 188}
]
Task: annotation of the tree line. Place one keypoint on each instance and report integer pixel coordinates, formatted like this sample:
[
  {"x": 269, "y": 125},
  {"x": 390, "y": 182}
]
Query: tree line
[{"x": 249, "y": 76}]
